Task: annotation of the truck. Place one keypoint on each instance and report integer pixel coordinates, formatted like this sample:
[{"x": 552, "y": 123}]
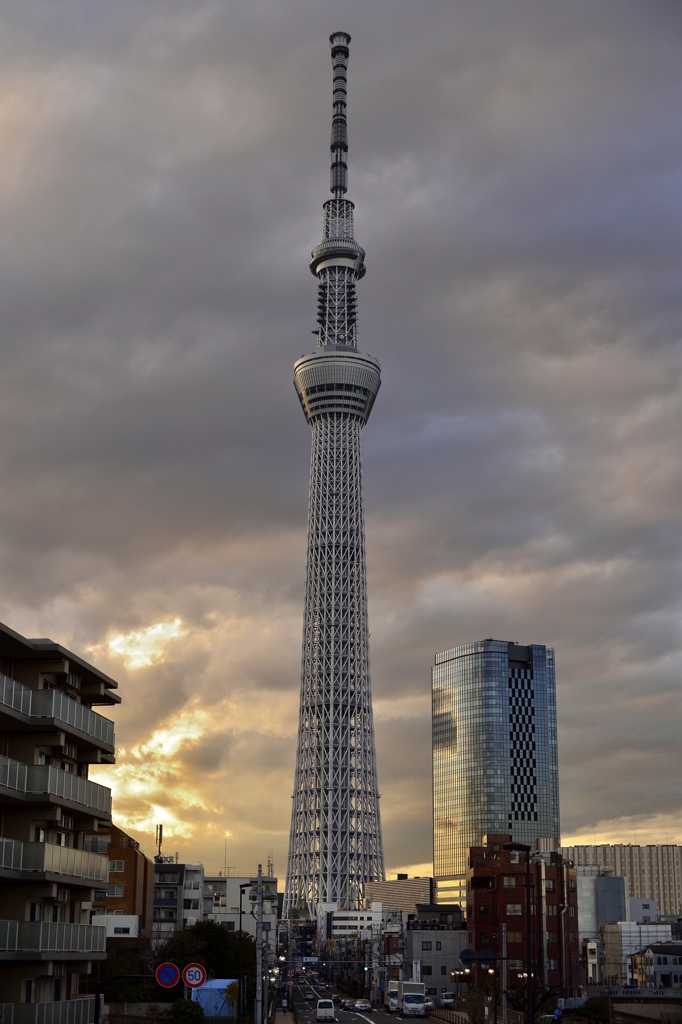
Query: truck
[
  {"x": 392, "y": 996},
  {"x": 411, "y": 998}
]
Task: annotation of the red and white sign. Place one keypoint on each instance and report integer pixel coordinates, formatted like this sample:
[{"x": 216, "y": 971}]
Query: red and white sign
[
  {"x": 194, "y": 975},
  {"x": 167, "y": 975}
]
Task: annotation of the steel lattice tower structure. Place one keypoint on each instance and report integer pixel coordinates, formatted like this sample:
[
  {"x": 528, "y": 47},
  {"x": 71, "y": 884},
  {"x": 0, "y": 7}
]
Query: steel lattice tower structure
[{"x": 335, "y": 843}]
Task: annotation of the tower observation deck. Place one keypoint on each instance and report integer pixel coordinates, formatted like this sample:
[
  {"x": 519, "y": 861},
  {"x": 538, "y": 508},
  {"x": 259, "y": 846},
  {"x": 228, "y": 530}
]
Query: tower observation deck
[{"x": 335, "y": 843}]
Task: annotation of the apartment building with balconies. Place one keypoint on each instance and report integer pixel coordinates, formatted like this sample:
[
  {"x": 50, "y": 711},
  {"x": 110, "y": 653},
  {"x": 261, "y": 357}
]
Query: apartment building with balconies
[{"x": 49, "y": 809}]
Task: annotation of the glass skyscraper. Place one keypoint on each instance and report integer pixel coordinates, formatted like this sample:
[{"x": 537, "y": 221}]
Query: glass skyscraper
[{"x": 495, "y": 766}]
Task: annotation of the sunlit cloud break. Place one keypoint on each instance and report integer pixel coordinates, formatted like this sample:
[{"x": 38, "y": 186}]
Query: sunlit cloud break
[{"x": 144, "y": 647}]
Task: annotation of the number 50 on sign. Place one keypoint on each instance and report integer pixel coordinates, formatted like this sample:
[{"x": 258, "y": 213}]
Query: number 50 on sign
[{"x": 194, "y": 975}]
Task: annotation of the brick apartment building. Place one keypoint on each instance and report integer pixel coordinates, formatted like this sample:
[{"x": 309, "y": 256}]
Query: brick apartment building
[{"x": 497, "y": 895}]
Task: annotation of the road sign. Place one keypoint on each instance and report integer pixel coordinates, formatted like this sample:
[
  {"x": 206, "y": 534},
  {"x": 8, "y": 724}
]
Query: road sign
[
  {"x": 194, "y": 975},
  {"x": 167, "y": 975},
  {"x": 486, "y": 957},
  {"x": 467, "y": 957}
]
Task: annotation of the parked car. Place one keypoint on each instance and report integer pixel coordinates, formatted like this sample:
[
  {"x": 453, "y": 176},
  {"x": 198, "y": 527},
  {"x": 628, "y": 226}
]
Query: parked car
[
  {"x": 363, "y": 1005},
  {"x": 429, "y": 1003},
  {"x": 348, "y": 1004},
  {"x": 447, "y": 1000}
]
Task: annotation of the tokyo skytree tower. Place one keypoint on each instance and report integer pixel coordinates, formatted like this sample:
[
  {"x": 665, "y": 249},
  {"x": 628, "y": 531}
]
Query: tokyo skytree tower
[{"x": 335, "y": 841}]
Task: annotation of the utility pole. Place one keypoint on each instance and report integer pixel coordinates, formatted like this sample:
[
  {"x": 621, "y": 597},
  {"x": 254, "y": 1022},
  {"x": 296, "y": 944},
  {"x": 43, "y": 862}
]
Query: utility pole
[{"x": 259, "y": 947}]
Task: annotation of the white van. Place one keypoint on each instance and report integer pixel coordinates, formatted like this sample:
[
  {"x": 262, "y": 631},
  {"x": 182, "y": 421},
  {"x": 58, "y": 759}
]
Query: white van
[{"x": 325, "y": 1010}]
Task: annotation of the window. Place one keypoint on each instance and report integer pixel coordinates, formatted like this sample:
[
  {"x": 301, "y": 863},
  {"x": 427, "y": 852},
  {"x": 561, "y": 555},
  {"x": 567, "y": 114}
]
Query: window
[
  {"x": 35, "y": 912},
  {"x": 552, "y": 910},
  {"x": 514, "y": 910},
  {"x": 484, "y": 938},
  {"x": 514, "y": 937},
  {"x": 552, "y": 936},
  {"x": 515, "y": 965},
  {"x": 509, "y": 881},
  {"x": 426, "y": 945},
  {"x": 549, "y": 885},
  {"x": 96, "y": 844},
  {"x": 439, "y": 945},
  {"x": 117, "y": 865},
  {"x": 228, "y": 925},
  {"x": 552, "y": 965},
  {"x": 44, "y": 758},
  {"x": 572, "y": 938},
  {"x": 115, "y": 890},
  {"x": 571, "y": 911},
  {"x": 38, "y": 834},
  {"x": 121, "y": 931},
  {"x": 443, "y": 970},
  {"x": 30, "y": 991},
  {"x": 483, "y": 910},
  {"x": 427, "y": 969}
]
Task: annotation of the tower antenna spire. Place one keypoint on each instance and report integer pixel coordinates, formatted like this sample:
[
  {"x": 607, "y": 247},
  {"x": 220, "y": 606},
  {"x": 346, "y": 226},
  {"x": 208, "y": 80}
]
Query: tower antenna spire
[
  {"x": 338, "y": 181},
  {"x": 335, "y": 843}
]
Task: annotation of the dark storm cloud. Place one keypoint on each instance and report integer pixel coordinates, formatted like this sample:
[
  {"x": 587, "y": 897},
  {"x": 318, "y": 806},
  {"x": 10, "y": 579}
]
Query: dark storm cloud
[{"x": 516, "y": 172}]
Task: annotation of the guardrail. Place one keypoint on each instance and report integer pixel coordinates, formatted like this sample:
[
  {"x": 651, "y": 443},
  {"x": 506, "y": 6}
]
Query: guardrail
[{"x": 71, "y": 1011}]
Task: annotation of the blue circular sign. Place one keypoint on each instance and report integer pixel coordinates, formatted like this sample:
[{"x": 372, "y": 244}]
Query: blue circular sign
[
  {"x": 467, "y": 957},
  {"x": 167, "y": 975}
]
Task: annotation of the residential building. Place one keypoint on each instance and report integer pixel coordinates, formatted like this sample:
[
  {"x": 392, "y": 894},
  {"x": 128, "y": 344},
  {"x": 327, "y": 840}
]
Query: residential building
[
  {"x": 620, "y": 941},
  {"x": 498, "y": 902},
  {"x": 495, "y": 765},
  {"x": 49, "y": 810},
  {"x": 433, "y": 942},
  {"x": 178, "y": 897},
  {"x": 658, "y": 966},
  {"x": 651, "y": 872},
  {"x": 231, "y": 901},
  {"x": 401, "y": 893},
  {"x": 130, "y": 892}
]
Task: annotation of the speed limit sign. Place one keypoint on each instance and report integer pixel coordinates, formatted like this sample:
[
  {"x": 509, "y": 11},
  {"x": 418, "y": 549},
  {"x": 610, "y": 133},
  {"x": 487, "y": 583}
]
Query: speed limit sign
[{"x": 194, "y": 975}]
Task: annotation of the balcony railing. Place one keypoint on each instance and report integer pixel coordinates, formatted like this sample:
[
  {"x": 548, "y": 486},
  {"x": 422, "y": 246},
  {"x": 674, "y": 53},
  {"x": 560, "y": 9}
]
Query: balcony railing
[
  {"x": 71, "y": 1011},
  {"x": 6, "y": 1013},
  {"x": 59, "y": 860},
  {"x": 51, "y": 781},
  {"x": 53, "y": 704},
  {"x": 51, "y": 937}
]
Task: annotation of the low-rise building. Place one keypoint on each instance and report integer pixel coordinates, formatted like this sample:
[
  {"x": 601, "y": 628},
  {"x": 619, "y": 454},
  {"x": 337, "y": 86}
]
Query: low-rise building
[
  {"x": 433, "y": 942},
  {"x": 178, "y": 897}
]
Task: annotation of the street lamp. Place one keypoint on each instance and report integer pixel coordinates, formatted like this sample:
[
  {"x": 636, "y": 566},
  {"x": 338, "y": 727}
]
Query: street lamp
[{"x": 525, "y": 848}]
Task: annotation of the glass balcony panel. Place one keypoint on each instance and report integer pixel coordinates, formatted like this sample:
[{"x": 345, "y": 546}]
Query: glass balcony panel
[
  {"x": 52, "y": 704},
  {"x": 53, "y": 781},
  {"x": 11, "y": 854},
  {"x": 62, "y": 860},
  {"x": 8, "y": 936},
  {"x": 55, "y": 937},
  {"x": 12, "y": 774},
  {"x": 6, "y": 1013},
  {"x": 71, "y": 1011}
]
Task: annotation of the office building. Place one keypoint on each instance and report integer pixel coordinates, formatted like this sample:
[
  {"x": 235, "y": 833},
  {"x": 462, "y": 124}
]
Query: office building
[
  {"x": 651, "y": 872},
  {"x": 335, "y": 844},
  {"x": 49, "y": 812},
  {"x": 495, "y": 766}
]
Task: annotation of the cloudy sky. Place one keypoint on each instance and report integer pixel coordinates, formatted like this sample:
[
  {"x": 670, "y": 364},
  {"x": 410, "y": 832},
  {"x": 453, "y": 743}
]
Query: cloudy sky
[{"x": 516, "y": 168}]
